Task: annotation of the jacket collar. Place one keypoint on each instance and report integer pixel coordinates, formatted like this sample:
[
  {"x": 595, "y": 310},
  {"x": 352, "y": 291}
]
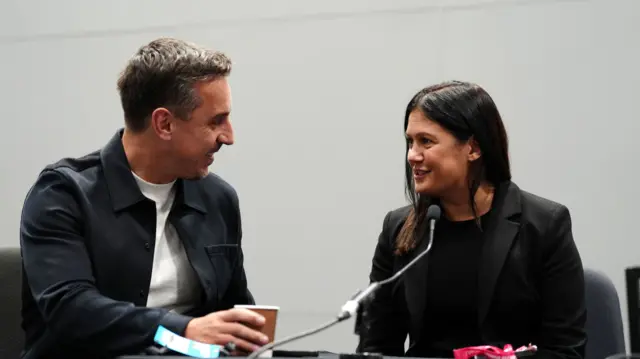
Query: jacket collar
[{"x": 123, "y": 189}]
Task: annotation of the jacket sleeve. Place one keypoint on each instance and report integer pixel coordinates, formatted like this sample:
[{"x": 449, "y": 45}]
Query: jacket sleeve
[
  {"x": 562, "y": 332},
  {"x": 385, "y": 321},
  {"x": 58, "y": 270}
]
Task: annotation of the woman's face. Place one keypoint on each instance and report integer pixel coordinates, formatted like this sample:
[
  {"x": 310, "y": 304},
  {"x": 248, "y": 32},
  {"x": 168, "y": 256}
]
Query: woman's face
[{"x": 440, "y": 162}]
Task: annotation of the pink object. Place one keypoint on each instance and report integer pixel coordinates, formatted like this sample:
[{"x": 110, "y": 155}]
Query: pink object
[{"x": 491, "y": 352}]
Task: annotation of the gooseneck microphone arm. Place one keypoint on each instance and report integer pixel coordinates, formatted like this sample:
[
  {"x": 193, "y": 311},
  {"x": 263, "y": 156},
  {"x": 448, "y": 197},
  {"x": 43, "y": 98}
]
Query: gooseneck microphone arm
[{"x": 350, "y": 308}]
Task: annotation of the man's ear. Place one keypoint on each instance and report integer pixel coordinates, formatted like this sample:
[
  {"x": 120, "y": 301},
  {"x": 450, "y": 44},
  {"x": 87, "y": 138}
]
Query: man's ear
[
  {"x": 474, "y": 150},
  {"x": 162, "y": 123}
]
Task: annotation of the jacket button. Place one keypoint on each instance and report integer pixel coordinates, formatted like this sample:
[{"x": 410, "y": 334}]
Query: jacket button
[
  {"x": 142, "y": 294},
  {"x": 147, "y": 246}
]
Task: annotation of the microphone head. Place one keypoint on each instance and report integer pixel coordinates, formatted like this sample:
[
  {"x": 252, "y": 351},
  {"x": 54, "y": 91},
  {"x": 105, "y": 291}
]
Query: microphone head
[{"x": 433, "y": 212}]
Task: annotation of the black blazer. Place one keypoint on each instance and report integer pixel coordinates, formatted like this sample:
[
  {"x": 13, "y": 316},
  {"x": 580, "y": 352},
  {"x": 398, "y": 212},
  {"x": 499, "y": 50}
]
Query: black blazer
[
  {"x": 87, "y": 236},
  {"x": 531, "y": 282}
]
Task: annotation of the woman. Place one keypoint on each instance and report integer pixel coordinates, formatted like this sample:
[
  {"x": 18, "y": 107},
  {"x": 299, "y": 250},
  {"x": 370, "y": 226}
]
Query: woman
[{"x": 503, "y": 267}]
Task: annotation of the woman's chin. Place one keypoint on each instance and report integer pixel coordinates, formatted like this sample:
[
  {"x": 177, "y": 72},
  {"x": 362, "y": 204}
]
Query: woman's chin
[{"x": 425, "y": 191}]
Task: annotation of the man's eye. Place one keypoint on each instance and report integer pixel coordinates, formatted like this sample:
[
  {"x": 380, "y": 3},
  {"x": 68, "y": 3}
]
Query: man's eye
[{"x": 217, "y": 121}]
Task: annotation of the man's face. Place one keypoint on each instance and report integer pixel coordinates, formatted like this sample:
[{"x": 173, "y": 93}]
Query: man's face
[{"x": 194, "y": 141}]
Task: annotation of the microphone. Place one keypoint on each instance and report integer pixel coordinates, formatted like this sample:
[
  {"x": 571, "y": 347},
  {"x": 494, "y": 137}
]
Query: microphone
[{"x": 350, "y": 308}]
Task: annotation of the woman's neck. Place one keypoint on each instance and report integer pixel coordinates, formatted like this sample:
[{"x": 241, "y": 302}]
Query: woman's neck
[{"x": 458, "y": 208}]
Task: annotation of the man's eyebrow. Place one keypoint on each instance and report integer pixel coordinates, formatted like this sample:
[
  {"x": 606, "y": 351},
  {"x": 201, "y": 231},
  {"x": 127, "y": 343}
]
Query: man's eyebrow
[{"x": 220, "y": 116}]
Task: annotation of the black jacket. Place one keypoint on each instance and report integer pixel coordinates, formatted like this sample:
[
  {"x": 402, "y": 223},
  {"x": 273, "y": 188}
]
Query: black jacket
[
  {"x": 531, "y": 282},
  {"x": 87, "y": 236}
]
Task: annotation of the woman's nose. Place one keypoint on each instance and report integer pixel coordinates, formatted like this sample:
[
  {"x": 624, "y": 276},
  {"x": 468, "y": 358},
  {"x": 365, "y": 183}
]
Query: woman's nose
[{"x": 414, "y": 156}]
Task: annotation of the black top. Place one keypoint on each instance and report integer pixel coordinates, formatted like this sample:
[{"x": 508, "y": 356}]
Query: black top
[
  {"x": 87, "y": 239},
  {"x": 529, "y": 284},
  {"x": 451, "y": 313}
]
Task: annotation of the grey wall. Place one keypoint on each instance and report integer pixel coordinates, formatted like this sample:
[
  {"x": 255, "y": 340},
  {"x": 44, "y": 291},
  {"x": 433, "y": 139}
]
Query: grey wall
[{"x": 319, "y": 91}]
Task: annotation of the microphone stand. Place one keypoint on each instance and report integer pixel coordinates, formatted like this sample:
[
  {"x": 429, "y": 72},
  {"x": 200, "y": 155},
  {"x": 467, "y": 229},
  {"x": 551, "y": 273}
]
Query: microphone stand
[
  {"x": 363, "y": 299},
  {"x": 354, "y": 306}
]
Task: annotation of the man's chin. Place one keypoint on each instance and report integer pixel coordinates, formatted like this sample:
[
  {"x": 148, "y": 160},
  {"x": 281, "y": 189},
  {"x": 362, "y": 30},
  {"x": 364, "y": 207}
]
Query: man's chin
[{"x": 197, "y": 176}]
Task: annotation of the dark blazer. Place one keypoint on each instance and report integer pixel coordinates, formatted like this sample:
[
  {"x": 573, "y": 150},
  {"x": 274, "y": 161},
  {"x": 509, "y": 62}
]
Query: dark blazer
[
  {"x": 87, "y": 236},
  {"x": 531, "y": 284}
]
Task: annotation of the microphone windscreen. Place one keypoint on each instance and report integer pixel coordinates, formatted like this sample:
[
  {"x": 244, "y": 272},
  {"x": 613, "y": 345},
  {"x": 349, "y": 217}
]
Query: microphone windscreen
[{"x": 433, "y": 212}]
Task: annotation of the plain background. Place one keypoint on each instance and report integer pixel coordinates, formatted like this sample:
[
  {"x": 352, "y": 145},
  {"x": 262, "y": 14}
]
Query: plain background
[{"x": 319, "y": 92}]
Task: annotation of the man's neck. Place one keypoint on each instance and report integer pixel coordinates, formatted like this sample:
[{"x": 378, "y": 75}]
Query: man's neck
[{"x": 143, "y": 155}]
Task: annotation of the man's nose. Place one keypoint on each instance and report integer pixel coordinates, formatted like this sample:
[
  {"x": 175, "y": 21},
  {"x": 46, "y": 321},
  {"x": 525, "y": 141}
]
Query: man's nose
[{"x": 227, "y": 135}]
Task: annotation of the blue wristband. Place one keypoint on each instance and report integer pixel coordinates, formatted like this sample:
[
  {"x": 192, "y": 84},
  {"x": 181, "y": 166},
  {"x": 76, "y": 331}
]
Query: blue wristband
[{"x": 185, "y": 346}]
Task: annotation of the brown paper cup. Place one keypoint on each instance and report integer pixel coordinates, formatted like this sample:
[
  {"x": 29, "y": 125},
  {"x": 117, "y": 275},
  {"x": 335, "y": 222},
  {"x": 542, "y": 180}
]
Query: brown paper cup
[{"x": 270, "y": 314}]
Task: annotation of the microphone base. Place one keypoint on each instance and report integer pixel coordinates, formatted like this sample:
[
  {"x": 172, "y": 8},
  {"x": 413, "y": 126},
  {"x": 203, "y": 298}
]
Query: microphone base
[
  {"x": 324, "y": 354},
  {"x": 360, "y": 356},
  {"x": 295, "y": 354}
]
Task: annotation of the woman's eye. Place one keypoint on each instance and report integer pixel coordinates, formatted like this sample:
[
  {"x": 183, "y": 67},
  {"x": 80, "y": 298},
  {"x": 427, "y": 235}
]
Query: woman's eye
[{"x": 421, "y": 140}]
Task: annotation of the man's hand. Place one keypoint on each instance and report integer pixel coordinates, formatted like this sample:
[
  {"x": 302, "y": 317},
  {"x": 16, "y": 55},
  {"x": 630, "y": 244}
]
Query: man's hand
[{"x": 238, "y": 326}]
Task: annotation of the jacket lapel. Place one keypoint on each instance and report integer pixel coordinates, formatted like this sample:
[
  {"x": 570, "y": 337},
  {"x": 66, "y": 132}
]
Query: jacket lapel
[
  {"x": 189, "y": 217},
  {"x": 502, "y": 229}
]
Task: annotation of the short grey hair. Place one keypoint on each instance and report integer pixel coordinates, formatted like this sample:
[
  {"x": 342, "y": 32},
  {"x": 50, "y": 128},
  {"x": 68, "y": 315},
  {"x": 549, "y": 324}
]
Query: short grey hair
[{"x": 163, "y": 73}]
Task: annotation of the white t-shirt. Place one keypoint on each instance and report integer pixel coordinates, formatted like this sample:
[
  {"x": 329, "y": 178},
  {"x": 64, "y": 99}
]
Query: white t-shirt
[{"x": 174, "y": 284}]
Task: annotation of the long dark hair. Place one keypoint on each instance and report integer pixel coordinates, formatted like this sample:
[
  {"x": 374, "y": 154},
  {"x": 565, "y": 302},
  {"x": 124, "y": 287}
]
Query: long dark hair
[{"x": 465, "y": 110}]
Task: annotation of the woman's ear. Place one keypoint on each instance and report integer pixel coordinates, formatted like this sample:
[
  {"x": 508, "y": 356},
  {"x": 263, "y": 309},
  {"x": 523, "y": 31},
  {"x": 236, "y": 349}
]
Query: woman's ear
[{"x": 474, "y": 150}]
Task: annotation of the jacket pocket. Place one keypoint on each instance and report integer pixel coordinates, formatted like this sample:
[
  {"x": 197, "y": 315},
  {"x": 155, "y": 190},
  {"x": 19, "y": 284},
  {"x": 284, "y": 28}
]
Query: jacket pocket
[{"x": 223, "y": 258}]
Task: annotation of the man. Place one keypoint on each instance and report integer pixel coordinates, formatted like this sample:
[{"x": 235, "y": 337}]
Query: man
[{"x": 139, "y": 234}]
